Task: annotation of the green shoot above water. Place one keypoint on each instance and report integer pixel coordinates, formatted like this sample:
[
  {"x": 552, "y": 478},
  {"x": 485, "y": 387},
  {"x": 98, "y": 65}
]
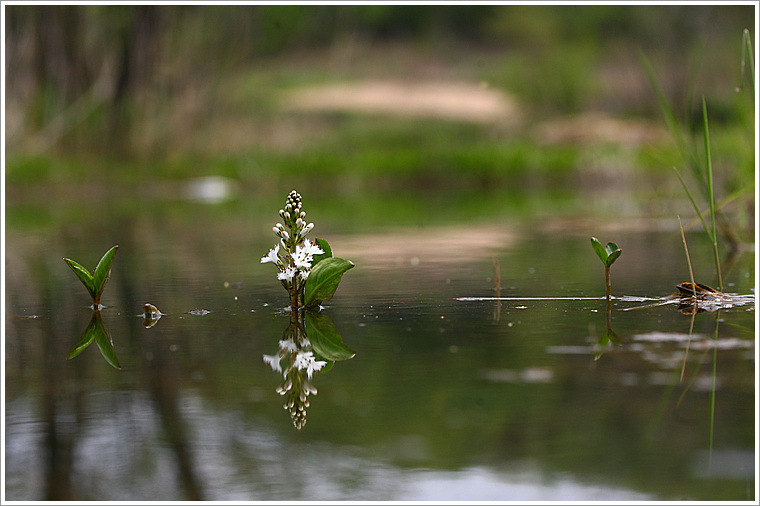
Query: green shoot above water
[
  {"x": 96, "y": 281},
  {"x": 607, "y": 254}
]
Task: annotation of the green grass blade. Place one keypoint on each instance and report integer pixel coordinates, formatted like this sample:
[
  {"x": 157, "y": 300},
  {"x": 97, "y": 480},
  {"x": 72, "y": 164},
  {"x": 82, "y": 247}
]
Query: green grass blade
[
  {"x": 102, "y": 272},
  {"x": 83, "y": 274},
  {"x": 693, "y": 202},
  {"x": 748, "y": 58},
  {"x": 667, "y": 111},
  {"x": 710, "y": 193}
]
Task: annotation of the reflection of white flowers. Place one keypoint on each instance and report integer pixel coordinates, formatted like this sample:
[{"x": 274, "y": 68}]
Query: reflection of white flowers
[
  {"x": 288, "y": 345},
  {"x": 272, "y": 256},
  {"x": 273, "y": 361},
  {"x": 305, "y": 360}
]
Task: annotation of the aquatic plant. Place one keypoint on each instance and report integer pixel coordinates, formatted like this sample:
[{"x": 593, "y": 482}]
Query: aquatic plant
[
  {"x": 607, "y": 254},
  {"x": 96, "y": 281},
  {"x": 306, "y": 269}
]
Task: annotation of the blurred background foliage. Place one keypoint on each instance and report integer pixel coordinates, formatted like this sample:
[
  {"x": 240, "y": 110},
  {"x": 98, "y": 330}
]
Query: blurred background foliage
[{"x": 199, "y": 89}]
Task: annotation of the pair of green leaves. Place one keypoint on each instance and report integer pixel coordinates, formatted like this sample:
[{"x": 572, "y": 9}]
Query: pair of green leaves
[
  {"x": 96, "y": 281},
  {"x": 607, "y": 254},
  {"x": 326, "y": 273}
]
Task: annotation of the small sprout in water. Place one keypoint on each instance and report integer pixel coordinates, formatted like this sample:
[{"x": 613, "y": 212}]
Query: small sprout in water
[
  {"x": 607, "y": 254},
  {"x": 96, "y": 281}
]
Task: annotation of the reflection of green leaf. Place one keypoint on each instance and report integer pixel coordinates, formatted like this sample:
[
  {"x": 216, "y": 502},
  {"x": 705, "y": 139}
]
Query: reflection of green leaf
[
  {"x": 105, "y": 343},
  {"x": 87, "y": 337},
  {"x": 324, "y": 247},
  {"x": 324, "y": 338},
  {"x": 97, "y": 332},
  {"x": 323, "y": 280}
]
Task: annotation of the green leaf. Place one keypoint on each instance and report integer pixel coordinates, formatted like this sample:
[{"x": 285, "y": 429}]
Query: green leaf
[
  {"x": 324, "y": 338},
  {"x": 103, "y": 272},
  {"x": 97, "y": 281},
  {"x": 611, "y": 246},
  {"x": 83, "y": 274},
  {"x": 613, "y": 256},
  {"x": 599, "y": 249},
  {"x": 324, "y": 247},
  {"x": 323, "y": 280}
]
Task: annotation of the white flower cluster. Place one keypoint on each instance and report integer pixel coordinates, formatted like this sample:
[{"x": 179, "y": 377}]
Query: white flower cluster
[
  {"x": 297, "y": 263},
  {"x": 298, "y": 253}
]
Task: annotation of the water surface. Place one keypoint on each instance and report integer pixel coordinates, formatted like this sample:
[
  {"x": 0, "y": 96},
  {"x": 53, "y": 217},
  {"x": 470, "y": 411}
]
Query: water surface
[{"x": 457, "y": 391}]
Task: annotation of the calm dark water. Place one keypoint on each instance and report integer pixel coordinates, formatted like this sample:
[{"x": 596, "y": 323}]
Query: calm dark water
[{"x": 450, "y": 396}]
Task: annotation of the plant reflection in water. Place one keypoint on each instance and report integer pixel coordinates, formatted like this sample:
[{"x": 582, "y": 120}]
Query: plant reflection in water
[
  {"x": 309, "y": 344},
  {"x": 97, "y": 332}
]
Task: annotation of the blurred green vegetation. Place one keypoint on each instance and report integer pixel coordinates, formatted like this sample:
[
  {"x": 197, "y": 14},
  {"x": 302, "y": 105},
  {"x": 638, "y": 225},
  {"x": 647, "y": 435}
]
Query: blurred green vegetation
[{"x": 116, "y": 94}]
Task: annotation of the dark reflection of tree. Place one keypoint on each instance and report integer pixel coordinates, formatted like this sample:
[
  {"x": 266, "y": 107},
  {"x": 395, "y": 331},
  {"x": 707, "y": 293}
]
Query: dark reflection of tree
[
  {"x": 159, "y": 378},
  {"x": 60, "y": 397}
]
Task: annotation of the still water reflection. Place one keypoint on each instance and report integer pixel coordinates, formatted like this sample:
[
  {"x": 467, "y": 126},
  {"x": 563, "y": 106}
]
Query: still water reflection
[{"x": 428, "y": 389}]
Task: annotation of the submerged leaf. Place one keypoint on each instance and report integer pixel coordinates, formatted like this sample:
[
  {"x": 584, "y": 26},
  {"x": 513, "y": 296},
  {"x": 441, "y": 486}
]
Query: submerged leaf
[
  {"x": 324, "y": 279},
  {"x": 324, "y": 338}
]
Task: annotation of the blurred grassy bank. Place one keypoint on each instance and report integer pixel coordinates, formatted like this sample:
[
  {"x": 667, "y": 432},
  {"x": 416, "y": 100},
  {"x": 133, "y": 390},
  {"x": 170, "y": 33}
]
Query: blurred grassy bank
[{"x": 172, "y": 93}]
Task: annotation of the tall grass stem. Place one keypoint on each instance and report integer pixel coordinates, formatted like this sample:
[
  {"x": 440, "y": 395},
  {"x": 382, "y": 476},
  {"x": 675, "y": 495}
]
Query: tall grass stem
[{"x": 710, "y": 192}]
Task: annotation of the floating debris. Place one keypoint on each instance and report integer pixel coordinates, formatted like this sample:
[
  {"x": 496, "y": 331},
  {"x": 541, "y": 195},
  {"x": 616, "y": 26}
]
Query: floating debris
[
  {"x": 696, "y": 298},
  {"x": 151, "y": 315}
]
